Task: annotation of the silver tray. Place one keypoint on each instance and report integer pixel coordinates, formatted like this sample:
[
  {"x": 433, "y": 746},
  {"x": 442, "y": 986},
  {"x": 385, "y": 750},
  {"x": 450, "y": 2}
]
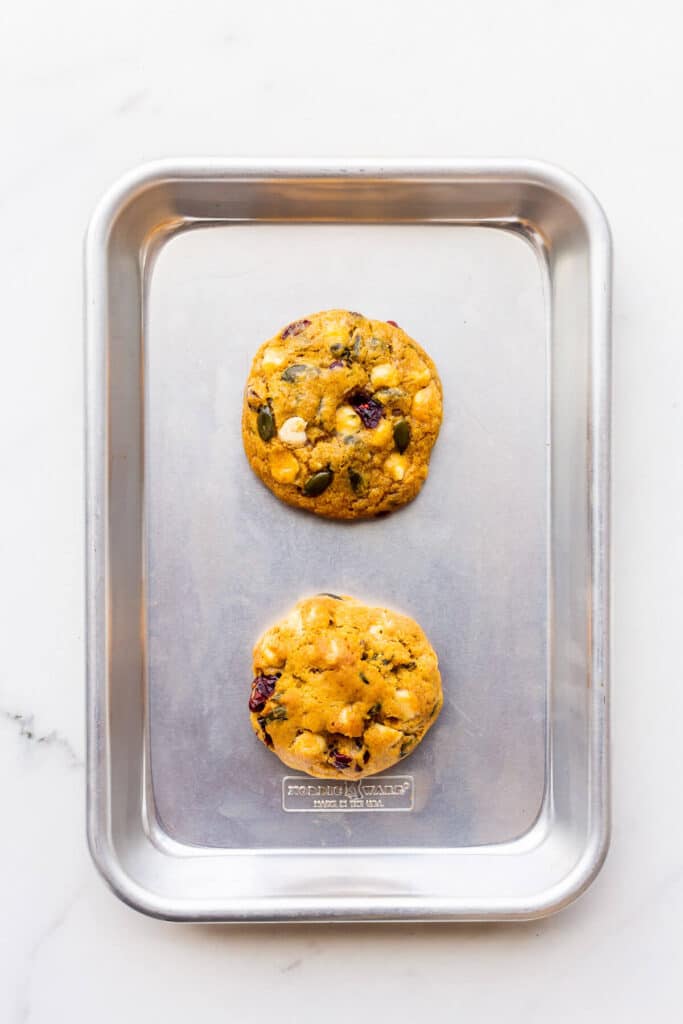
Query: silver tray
[{"x": 501, "y": 269}]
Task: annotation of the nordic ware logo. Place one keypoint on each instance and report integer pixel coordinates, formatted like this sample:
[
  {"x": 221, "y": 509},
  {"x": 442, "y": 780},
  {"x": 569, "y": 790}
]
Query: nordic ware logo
[{"x": 390, "y": 793}]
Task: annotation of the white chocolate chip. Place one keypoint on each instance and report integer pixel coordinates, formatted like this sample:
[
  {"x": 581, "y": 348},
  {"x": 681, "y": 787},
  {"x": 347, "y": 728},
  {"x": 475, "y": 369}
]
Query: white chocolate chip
[
  {"x": 272, "y": 651},
  {"x": 349, "y": 721},
  {"x": 273, "y": 359},
  {"x": 380, "y": 436},
  {"x": 384, "y": 376},
  {"x": 422, "y": 377},
  {"x": 309, "y": 744},
  {"x": 406, "y": 704},
  {"x": 382, "y": 737},
  {"x": 423, "y": 403},
  {"x": 332, "y": 650},
  {"x": 396, "y": 466},
  {"x": 294, "y": 621},
  {"x": 335, "y": 335},
  {"x": 347, "y": 421},
  {"x": 315, "y": 615},
  {"x": 293, "y": 432}
]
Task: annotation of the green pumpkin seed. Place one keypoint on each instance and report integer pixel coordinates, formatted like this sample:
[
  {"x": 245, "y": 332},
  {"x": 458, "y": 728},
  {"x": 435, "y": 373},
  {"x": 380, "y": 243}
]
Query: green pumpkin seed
[
  {"x": 364, "y": 678},
  {"x": 276, "y": 715},
  {"x": 316, "y": 484},
  {"x": 265, "y": 423},
  {"x": 402, "y": 435},
  {"x": 355, "y": 479},
  {"x": 298, "y": 370},
  {"x": 355, "y": 348},
  {"x": 389, "y": 395}
]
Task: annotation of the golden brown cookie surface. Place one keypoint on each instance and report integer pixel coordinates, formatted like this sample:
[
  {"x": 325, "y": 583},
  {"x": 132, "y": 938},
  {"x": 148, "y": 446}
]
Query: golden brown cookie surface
[
  {"x": 340, "y": 415},
  {"x": 343, "y": 690}
]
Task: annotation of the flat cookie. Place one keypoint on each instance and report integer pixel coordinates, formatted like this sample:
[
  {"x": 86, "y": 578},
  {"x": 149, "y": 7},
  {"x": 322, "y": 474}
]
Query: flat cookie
[
  {"x": 343, "y": 690},
  {"x": 340, "y": 415}
]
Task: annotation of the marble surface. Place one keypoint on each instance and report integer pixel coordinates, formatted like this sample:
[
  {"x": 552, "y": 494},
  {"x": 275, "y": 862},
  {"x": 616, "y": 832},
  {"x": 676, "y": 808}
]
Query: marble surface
[{"x": 90, "y": 90}]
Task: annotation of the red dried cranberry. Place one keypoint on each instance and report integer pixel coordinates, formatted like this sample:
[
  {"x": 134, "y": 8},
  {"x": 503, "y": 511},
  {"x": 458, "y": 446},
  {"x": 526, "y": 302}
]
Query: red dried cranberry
[
  {"x": 336, "y": 364},
  {"x": 261, "y": 689},
  {"x": 368, "y": 408},
  {"x": 296, "y": 328},
  {"x": 393, "y": 323},
  {"x": 340, "y": 760},
  {"x": 264, "y": 732}
]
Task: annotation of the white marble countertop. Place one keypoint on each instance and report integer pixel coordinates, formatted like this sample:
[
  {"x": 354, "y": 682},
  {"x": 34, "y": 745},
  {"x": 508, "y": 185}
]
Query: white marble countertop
[{"x": 92, "y": 90}]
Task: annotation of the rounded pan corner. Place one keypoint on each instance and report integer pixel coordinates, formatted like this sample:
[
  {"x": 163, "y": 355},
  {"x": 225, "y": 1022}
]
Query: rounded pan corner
[
  {"x": 120, "y": 883},
  {"x": 573, "y": 191},
  {"x": 120, "y": 195},
  {"x": 576, "y": 882}
]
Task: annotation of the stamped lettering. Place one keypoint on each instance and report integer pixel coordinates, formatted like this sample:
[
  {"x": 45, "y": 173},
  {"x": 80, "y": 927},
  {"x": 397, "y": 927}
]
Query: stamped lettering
[{"x": 389, "y": 793}]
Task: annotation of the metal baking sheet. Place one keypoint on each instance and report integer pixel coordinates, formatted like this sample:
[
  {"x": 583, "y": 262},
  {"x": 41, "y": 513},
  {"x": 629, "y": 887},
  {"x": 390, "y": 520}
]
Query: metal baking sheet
[{"x": 501, "y": 270}]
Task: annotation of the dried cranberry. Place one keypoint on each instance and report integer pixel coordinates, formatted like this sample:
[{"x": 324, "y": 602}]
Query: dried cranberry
[
  {"x": 336, "y": 364},
  {"x": 340, "y": 760},
  {"x": 264, "y": 732},
  {"x": 296, "y": 328},
  {"x": 261, "y": 689},
  {"x": 393, "y": 323},
  {"x": 368, "y": 408}
]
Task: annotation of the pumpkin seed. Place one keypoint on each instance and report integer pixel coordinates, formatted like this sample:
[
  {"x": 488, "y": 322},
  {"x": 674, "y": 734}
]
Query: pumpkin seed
[
  {"x": 276, "y": 715},
  {"x": 355, "y": 479},
  {"x": 265, "y": 423},
  {"x": 389, "y": 395},
  {"x": 402, "y": 435},
  {"x": 316, "y": 484},
  {"x": 298, "y": 370}
]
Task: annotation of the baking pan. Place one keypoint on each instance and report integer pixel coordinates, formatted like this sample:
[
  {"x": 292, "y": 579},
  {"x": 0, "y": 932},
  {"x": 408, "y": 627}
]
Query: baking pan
[{"x": 501, "y": 269}]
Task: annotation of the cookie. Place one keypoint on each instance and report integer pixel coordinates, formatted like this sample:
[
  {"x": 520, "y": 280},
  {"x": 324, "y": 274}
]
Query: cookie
[
  {"x": 340, "y": 415},
  {"x": 343, "y": 690}
]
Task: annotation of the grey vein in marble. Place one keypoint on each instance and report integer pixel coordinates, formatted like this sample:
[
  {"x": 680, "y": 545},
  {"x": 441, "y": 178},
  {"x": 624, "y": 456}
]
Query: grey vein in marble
[
  {"x": 23, "y": 1005},
  {"x": 52, "y": 739}
]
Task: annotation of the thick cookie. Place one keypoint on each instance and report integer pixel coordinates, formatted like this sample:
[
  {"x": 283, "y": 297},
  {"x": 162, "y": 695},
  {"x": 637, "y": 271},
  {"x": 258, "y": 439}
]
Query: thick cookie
[
  {"x": 342, "y": 690},
  {"x": 340, "y": 415}
]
